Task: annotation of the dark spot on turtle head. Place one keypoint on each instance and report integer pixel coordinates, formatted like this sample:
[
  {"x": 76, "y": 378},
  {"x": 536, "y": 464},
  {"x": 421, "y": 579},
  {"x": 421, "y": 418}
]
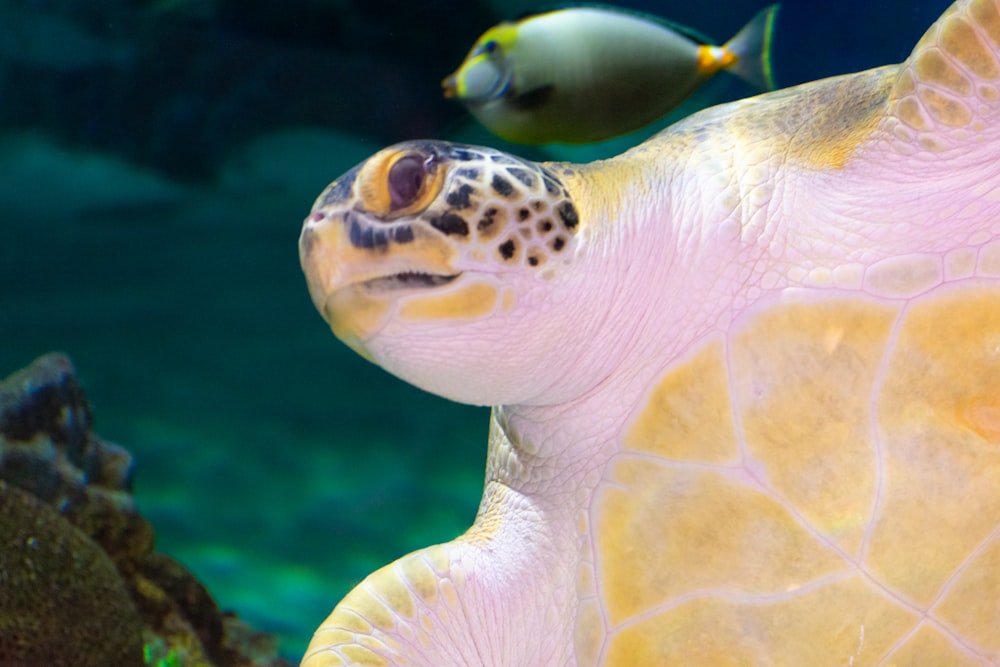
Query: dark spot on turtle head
[
  {"x": 507, "y": 249},
  {"x": 533, "y": 261},
  {"x": 545, "y": 226},
  {"x": 464, "y": 155},
  {"x": 523, "y": 214},
  {"x": 487, "y": 220},
  {"x": 459, "y": 199},
  {"x": 363, "y": 236},
  {"x": 552, "y": 185},
  {"x": 451, "y": 224},
  {"x": 558, "y": 243},
  {"x": 470, "y": 173},
  {"x": 567, "y": 213},
  {"x": 340, "y": 189},
  {"x": 502, "y": 186},
  {"x": 402, "y": 234},
  {"x": 538, "y": 205},
  {"x": 500, "y": 158},
  {"x": 523, "y": 175}
]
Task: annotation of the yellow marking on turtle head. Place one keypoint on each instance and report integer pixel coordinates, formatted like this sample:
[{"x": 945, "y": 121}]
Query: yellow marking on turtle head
[
  {"x": 467, "y": 302},
  {"x": 353, "y": 316},
  {"x": 344, "y": 276}
]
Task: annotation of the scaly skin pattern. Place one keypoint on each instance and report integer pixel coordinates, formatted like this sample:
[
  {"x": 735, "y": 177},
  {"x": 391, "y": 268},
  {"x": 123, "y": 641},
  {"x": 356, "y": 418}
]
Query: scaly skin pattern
[{"x": 748, "y": 389}]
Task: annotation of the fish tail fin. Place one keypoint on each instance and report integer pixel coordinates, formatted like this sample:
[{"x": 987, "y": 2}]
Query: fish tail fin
[{"x": 752, "y": 48}]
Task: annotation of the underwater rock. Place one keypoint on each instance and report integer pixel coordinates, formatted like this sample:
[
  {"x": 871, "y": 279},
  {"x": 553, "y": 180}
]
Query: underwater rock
[
  {"x": 86, "y": 585},
  {"x": 63, "y": 602}
]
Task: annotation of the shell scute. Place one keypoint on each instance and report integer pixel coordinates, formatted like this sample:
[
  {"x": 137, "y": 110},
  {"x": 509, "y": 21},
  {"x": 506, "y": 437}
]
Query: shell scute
[
  {"x": 940, "y": 494},
  {"x": 851, "y": 451}
]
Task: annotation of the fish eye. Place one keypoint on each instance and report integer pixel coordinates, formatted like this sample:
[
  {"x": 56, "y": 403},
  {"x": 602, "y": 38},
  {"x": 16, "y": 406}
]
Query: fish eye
[
  {"x": 405, "y": 180},
  {"x": 490, "y": 46}
]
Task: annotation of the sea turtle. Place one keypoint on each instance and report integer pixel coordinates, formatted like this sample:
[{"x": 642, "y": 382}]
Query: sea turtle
[{"x": 747, "y": 378}]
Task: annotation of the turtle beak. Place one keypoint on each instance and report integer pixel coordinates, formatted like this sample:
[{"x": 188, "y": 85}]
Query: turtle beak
[
  {"x": 323, "y": 271},
  {"x": 335, "y": 287},
  {"x": 355, "y": 282}
]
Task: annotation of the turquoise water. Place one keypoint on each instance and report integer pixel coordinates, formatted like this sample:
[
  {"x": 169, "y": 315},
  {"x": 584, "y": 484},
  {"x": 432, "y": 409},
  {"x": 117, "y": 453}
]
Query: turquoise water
[{"x": 156, "y": 161}]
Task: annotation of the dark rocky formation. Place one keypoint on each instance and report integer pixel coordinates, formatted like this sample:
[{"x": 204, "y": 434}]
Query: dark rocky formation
[{"x": 82, "y": 582}]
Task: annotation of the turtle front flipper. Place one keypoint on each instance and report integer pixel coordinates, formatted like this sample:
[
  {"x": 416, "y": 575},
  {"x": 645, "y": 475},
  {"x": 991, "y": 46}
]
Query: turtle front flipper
[
  {"x": 934, "y": 116},
  {"x": 891, "y": 155},
  {"x": 471, "y": 601},
  {"x": 946, "y": 98},
  {"x": 393, "y": 608}
]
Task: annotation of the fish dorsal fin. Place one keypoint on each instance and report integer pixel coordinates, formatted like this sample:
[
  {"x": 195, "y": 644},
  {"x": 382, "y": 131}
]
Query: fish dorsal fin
[{"x": 690, "y": 33}]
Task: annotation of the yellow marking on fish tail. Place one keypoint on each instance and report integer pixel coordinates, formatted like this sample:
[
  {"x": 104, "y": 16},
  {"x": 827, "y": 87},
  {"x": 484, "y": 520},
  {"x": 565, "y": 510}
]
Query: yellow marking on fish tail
[{"x": 711, "y": 59}]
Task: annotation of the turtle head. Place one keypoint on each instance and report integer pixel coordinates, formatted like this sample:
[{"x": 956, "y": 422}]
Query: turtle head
[{"x": 437, "y": 261}]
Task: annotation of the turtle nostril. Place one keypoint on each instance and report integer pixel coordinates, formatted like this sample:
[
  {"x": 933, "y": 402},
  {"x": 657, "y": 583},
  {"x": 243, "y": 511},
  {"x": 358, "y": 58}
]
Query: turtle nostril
[{"x": 405, "y": 180}]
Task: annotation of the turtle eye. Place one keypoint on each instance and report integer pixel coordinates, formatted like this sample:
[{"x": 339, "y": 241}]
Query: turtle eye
[
  {"x": 396, "y": 182},
  {"x": 405, "y": 180}
]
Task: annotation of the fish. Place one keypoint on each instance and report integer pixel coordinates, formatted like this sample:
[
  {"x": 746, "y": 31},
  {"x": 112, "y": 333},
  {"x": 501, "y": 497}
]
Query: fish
[{"x": 586, "y": 74}]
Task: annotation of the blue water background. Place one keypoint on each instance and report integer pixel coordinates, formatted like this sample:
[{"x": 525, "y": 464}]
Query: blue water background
[{"x": 156, "y": 161}]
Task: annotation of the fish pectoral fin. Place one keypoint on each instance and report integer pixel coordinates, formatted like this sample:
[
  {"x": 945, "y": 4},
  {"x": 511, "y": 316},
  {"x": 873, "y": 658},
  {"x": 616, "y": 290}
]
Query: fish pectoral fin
[{"x": 532, "y": 99}]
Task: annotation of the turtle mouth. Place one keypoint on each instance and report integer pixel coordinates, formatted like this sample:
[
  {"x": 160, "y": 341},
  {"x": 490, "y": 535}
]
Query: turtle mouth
[{"x": 408, "y": 280}]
